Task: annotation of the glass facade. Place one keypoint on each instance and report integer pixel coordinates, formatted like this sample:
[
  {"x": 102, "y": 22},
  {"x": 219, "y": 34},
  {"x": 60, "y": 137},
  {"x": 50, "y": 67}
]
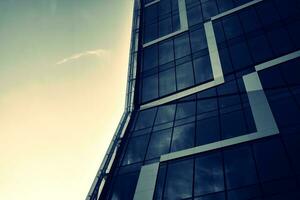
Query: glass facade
[{"x": 213, "y": 104}]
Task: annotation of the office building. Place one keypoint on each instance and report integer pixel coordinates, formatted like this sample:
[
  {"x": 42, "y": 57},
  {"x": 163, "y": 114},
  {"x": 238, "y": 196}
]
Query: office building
[{"x": 213, "y": 104}]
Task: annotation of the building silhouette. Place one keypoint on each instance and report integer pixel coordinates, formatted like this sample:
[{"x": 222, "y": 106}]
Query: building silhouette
[{"x": 213, "y": 104}]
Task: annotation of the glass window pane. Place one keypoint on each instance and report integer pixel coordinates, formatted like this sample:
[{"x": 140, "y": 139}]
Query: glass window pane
[
  {"x": 203, "y": 69},
  {"x": 159, "y": 187},
  {"x": 179, "y": 183},
  {"x": 164, "y": 7},
  {"x": 209, "y": 9},
  {"x": 185, "y": 109},
  {"x": 239, "y": 167},
  {"x": 165, "y": 114},
  {"x": 267, "y": 12},
  {"x": 206, "y": 105},
  {"x": 252, "y": 192},
  {"x": 209, "y": 175},
  {"x": 167, "y": 82},
  {"x": 294, "y": 31},
  {"x": 198, "y": 40},
  {"x": 151, "y": 32},
  {"x": 124, "y": 187},
  {"x": 271, "y": 160},
  {"x": 145, "y": 118},
  {"x": 260, "y": 49},
  {"x": 232, "y": 26},
  {"x": 233, "y": 124},
  {"x": 166, "y": 53},
  {"x": 280, "y": 41},
  {"x": 184, "y": 75},
  {"x": 150, "y": 57},
  {"x": 151, "y": 14},
  {"x": 150, "y": 88},
  {"x": 159, "y": 143},
  {"x": 194, "y": 15},
  {"x": 182, "y": 46},
  {"x": 293, "y": 148},
  {"x": 249, "y": 19},
  {"x": 240, "y": 55},
  {"x": 165, "y": 26},
  {"x": 207, "y": 131},
  {"x": 216, "y": 196},
  {"x": 136, "y": 150},
  {"x": 183, "y": 137},
  {"x": 225, "y": 5}
]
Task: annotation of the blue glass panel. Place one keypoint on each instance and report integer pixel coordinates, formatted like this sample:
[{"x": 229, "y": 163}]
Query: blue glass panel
[
  {"x": 232, "y": 26},
  {"x": 206, "y": 105},
  {"x": 260, "y": 49},
  {"x": 207, "y": 131},
  {"x": 233, "y": 124},
  {"x": 203, "y": 69},
  {"x": 164, "y": 7},
  {"x": 229, "y": 87},
  {"x": 182, "y": 46},
  {"x": 249, "y": 19},
  {"x": 225, "y": 5},
  {"x": 159, "y": 187},
  {"x": 291, "y": 72},
  {"x": 283, "y": 186},
  {"x": 198, "y": 40},
  {"x": 246, "y": 193},
  {"x": 167, "y": 82},
  {"x": 145, "y": 118},
  {"x": 184, "y": 75},
  {"x": 293, "y": 148},
  {"x": 267, "y": 12},
  {"x": 284, "y": 108},
  {"x": 136, "y": 150},
  {"x": 166, "y": 53},
  {"x": 209, "y": 175},
  {"x": 225, "y": 61},
  {"x": 271, "y": 78},
  {"x": 239, "y": 167},
  {"x": 287, "y": 8},
  {"x": 150, "y": 57},
  {"x": 150, "y": 88},
  {"x": 240, "y": 55},
  {"x": 165, "y": 114},
  {"x": 124, "y": 187},
  {"x": 159, "y": 143},
  {"x": 183, "y": 137},
  {"x": 209, "y": 9},
  {"x": 151, "y": 14},
  {"x": 271, "y": 160},
  {"x": 165, "y": 26},
  {"x": 216, "y": 196},
  {"x": 185, "y": 109},
  {"x": 280, "y": 41},
  {"x": 175, "y": 22},
  {"x": 179, "y": 183},
  {"x": 194, "y": 15},
  {"x": 294, "y": 31},
  {"x": 151, "y": 32}
]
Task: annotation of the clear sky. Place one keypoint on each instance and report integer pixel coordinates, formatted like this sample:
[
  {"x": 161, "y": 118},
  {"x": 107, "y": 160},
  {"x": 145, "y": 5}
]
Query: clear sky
[{"x": 63, "y": 68}]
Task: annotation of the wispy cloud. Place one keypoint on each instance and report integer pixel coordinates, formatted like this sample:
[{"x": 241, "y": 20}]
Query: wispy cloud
[{"x": 96, "y": 52}]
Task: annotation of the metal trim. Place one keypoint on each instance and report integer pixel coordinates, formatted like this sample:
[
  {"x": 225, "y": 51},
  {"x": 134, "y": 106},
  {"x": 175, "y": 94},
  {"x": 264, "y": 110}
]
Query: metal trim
[
  {"x": 151, "y": 3},
  {"x": 228, "y": 12},
  {"x": 277, "y": 61},
  {"x": 146, "y": 182},
  {"x": 216, "y": 69},
  {"x": 183, "y": 24}
]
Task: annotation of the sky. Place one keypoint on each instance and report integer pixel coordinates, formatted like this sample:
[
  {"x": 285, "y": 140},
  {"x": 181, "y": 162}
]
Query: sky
[{"x": 63, "y": 72}]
